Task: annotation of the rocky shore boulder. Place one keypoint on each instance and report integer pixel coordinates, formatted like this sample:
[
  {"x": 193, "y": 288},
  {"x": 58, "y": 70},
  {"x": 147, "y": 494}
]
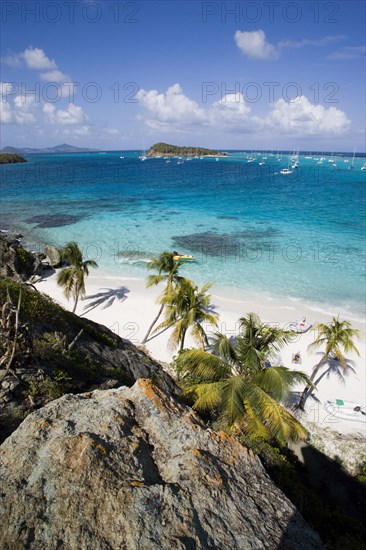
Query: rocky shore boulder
[
  {"x": 130, "y": 468},
  {"x": 53, "y": 255},
  {"x": 16, "y": 262}
]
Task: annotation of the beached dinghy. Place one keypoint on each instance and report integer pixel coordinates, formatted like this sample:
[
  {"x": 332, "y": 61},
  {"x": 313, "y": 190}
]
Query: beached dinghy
[
  {"x": 348, "y": 410},
  {"x": 300, "y": 326}
]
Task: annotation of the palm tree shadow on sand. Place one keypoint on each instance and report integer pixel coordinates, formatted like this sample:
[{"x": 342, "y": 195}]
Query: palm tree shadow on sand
[
  {"x": 106, "y": 298},
  {"x": 332, "y": 368}
]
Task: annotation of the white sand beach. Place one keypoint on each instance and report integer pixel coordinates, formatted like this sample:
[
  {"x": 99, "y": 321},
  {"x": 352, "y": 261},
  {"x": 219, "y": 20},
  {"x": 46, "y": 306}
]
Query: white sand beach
[{"x": 127, "y": 308}]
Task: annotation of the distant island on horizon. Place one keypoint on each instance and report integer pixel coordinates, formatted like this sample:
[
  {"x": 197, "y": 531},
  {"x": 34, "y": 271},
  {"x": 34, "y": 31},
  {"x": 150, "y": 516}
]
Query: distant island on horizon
[
  {"x": 11, "y": 158},
  {"x": 63, "y": 148},
  {"x": 168, "y": 150}
]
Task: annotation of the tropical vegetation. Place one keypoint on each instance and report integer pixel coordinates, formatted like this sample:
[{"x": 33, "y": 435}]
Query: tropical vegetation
[
  {"x": 72, "y": 277},
  {"x": 167, "y": 272},
  {"x": 10, "y": 158},
  {"x": 236, "y": 383},
  {"x": 187, "y": 308},
  {"x": 338, "y": 338},
  {"x": 159, "y": 149}
]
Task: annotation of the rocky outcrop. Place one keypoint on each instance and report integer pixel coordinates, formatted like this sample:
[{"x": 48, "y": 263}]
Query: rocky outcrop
[
  {"x": 58, "y": 352},
  {"x": 53, "y": 255},
  {"x": 16, "y": 262},
  {"x": 130, "y": 468}
]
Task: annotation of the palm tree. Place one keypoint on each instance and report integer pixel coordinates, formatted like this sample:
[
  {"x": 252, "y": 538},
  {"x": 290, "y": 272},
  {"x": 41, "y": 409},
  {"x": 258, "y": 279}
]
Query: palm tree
[
  {"x": 167, "y": 271},
  {"x": 336, "y": 336},
  {"x": 72, "y": 278},
  {"x": 187, "y": 307},
  {"x": 233, "y": 383},
  {"x": 259, "y": 341}
]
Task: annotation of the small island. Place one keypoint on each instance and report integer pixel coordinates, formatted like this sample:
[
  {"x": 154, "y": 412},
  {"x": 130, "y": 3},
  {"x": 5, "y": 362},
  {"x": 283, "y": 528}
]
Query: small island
[
  {"x": 10, "y": 158},
  {"x": 167, "y": 150}
]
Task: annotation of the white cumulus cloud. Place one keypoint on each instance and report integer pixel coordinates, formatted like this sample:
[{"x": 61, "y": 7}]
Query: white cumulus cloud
[
  {"x": 35, "y": 58},
  {"x": 231, "y": 110},
  {"x": 300, "y": 116},
  {"x": 25, "y": 109},
  {"x": 74, "y": 114},
  {"x": 12, "y": 60},
  {"x": 6, "y": 88},
  {"x": 20, "y": 109},
  {"x": 174, "y": 111},
  {"x": 254, "y": 44},
  {"x": 6, "y": 114},
  {"x": 171, "y": 107},
  {"x": 54, "y": 76}
]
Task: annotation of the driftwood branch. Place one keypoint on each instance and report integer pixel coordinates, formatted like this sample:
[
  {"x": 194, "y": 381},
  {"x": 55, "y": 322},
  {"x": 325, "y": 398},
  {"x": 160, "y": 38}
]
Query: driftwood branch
[
  {"x": 72, "y": 344},
  {"x": 10, "y": 332}
]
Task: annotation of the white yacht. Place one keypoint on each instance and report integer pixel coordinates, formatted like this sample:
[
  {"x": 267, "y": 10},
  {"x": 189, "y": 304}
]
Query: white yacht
[{"x": 285, "y": 171}]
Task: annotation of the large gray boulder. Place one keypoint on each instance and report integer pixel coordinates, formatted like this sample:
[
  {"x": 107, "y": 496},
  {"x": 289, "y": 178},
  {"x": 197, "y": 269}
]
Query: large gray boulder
[
  {"x": 53, "y": 255},
  {"x": 130, "y": 468},
  {"x": 15, "y": 261}
]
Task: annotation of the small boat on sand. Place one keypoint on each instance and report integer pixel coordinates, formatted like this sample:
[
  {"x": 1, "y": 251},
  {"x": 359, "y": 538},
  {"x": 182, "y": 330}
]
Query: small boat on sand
[
  {"x": 300, "y": 326},
  {"x": 348, "y": 410}
]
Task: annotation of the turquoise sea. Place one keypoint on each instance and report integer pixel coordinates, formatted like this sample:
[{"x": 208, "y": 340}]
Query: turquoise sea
[{"x": 299, "y": 236}]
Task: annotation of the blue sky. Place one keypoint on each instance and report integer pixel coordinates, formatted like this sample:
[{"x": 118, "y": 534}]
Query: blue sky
[{"x": 116, "y": 75}]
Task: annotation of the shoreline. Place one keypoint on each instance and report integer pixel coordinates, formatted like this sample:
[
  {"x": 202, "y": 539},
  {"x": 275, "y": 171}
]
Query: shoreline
[
  {"x": 126, "y": 307},
  {"x": 258, "y": 298}
]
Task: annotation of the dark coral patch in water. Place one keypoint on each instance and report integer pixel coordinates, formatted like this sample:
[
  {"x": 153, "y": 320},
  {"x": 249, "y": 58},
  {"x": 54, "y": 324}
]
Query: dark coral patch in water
[
  {"x": 213, "y": 243},
  {"x": 54, "y": 220}
]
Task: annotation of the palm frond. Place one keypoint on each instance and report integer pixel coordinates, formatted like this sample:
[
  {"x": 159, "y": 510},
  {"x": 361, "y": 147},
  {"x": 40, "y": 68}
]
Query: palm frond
[
  {"x": 233, "y": 395},
  {"x": 202, "y": 365},
  {"x": 335, "y": 336},
  {"x": 205, "y": 288},
  {"x": 278, "y": 381},
  {"x": 66, "y": 278},
  {"x": 252, "y": 424},
  {"x": 73, "y": 278},
  {"x": 207, "y": 396},
  {"x": 280, "y": 423},
  {"x": 87, "y": 264},
  {"x": 222, "y": 347},
  {"x": 178, "y": 334},
  {"x": 249, "y": 355},
  {"x": 153, "y": 280}
]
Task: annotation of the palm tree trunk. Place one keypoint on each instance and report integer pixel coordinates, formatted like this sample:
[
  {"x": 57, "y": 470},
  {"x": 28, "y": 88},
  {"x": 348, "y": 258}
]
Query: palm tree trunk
[
  {"x": 306, "y": 392},
  {"x": 205, "y": 343},
  {"x": 152, "y": 324},
  {"x": 163, "y": 330},
  {"x": 76, "y": 299},
  {"x": 327, "y": 371},
  {"x": 182, "y": 340}
]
